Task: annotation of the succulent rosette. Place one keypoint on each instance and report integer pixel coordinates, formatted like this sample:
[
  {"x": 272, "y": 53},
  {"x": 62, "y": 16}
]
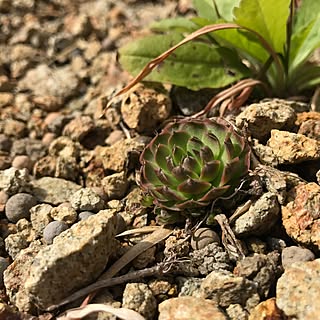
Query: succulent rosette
[{"x": 193, "y": 162}]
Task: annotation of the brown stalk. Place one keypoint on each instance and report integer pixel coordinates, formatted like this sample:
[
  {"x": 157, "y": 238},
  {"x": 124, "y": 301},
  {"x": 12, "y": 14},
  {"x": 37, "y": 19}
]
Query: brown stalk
[
  {"x": 202, "y": 31},
  {"x": 230, "y": 93}
]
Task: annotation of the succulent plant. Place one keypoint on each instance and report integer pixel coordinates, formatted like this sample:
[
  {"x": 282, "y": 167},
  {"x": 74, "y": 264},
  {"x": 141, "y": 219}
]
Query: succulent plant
[{"x": 193, "y": 162}]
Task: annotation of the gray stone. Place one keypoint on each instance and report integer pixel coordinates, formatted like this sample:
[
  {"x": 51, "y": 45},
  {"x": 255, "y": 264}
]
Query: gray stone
[
  {"x": 4, "y": 263},
  {"x": 75, "y": 259},
  {"x": 189, "y": 286},
  {"x": 237, "y": 312},
  {"x": 261, "y": 118},
  {"x": 260, "y": 217},
  {"x": 260, "y": 268},
  {"x": 40, "y": 217},
  {"x": 85, "y": 215},
  {"x": 202, "y": 237},
  {"x": 43, "y": 81},
  {"x": 18, "y": 206},
  {"x": 53, "y": 190},
  {"x": 225, "y": 288},
  {"x": 294, "y": 254},
  {"x": 53, "y": 229},
  {"x": 139, "y": 297},
  {"x": 5, "y": 143},
  {"x": 210, "y": 258},
  {"x": 298, "y": 290},
  {"x": 86, "y": 199},
  {"x": 13, "y": 180}
]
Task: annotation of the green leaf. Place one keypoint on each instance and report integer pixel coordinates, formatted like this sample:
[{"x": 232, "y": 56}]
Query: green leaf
[
  {"x": 205, "y": 9},
  {"x": 267, "y": 17},
  {"x": 215, "y": 10},
  {"x": 306, "y": 33},
  {"x": 245, "y": 42},
  {"x": 194, "y": 65},
  {"x": 174, "y": 24},
  {"x": 305, "y": 77},
  {"x": 308, "y": 11}
]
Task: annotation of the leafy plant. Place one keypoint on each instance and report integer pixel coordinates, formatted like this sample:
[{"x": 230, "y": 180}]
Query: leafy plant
[
  {"x": 193, "y": 162},
  {"x": 240, "y": 43}
]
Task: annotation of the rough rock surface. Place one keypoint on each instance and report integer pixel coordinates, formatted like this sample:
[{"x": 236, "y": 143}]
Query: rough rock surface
[
  {"x": 183, "y": 307},
  {"x": 13, "y": 180},
  {"x": 16, "y": 275},
  {"x": 86, "y": 245},
  {"x": 266, "y": 310},
  {"x": 225, "y": 288},
  {"x": 143, "y": 109},
  {"x": 260, "y": 268},
  {"x": 53, "y": 190},
  {"x": 139, "y": 297},
  {"x": 294, "y": 254},
  {"x": 301, "y": 216},
  {"x": 291, "y": 147},
  {"x": 43, "y": 81},
  {"x": 86, "y": 199},
  {"x": 261, "y": 118},
  {"x": 298, "y": 290},
  {"x": 260, "y": 217}
]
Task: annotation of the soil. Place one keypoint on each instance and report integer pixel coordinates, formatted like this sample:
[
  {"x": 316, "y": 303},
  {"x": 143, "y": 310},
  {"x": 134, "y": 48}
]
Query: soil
[{"x": 70, "y": 205}]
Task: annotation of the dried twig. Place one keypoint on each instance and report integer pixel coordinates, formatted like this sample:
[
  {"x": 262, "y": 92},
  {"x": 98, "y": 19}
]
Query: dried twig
[
  {"x": 110, "y": 283},
  {"x": 229, "y": 240}
]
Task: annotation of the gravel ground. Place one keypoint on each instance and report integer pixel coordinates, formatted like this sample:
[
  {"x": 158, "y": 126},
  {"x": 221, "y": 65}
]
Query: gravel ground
[{"x": 68, "y": 182}]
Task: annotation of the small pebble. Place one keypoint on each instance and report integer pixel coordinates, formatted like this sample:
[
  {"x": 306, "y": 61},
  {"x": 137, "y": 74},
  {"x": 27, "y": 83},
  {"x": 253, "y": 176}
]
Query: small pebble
[
  {"x": 202, "y": 237},
  {"x": 64, "y": 212},
  {"x": 86, "y": 199},
  {"x": 3, "y": 200},
  {"x": 18, "y": 206},
  {"x": 294, "y": 254},
  {"x": 53, "y": 229},
  {"x": 85, "y": 215},
  {"x": 4, "y": 263},
  {"x": 48, "y": 138},
  {"x": 5, "y": 143},
  {"x": 21, "y": 162}
]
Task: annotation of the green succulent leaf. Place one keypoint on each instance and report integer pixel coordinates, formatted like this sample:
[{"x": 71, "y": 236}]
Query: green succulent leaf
[
  {"x": 195, "y": 65},
  {"x": 205, "y": 166}
]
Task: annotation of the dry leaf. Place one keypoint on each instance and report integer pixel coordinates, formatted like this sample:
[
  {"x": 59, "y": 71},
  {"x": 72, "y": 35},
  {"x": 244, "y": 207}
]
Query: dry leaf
[{"x": 79, "y": 313}]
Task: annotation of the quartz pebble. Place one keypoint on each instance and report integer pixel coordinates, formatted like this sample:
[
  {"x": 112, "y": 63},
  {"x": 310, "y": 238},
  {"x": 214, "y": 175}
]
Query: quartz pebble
[
  {"x": 18, "y": 206},
  {"x": 53, "y": 229}
]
